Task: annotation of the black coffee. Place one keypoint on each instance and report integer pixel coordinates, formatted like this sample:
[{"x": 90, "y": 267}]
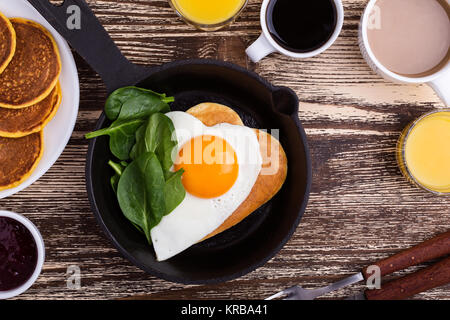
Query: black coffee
[{"x": 301, "y": 25}]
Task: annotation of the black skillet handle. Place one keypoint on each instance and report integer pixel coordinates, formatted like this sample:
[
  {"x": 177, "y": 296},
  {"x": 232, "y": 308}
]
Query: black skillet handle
[{"x": 92, "y": 42}]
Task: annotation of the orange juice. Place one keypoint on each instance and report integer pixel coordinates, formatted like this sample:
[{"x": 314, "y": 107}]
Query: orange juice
[
  {"x": 424, "y": 152},
  {"x": 208, "y": 12}
]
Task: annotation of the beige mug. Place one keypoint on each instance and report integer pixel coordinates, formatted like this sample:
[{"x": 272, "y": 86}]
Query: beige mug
[{"x": 438, "y": 80}]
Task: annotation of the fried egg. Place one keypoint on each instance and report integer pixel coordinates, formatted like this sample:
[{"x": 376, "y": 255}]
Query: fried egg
[{"x": 221, "y": 164}]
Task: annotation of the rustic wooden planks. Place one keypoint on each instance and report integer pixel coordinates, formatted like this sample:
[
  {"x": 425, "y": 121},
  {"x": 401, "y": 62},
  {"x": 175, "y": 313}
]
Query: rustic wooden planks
[{"x": 361, "y": 208}]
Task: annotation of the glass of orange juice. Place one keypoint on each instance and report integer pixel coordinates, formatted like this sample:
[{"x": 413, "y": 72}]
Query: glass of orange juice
[
  {"x": 423, "y": 152},
  {"x": 208, "y": 15}
]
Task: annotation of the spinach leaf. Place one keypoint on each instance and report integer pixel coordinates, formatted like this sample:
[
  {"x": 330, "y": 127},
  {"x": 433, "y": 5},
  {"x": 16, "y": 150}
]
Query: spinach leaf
[
  {"x": 139, "y": 147},
  {"x": 115, "y": 182},
  {"x": 122, "y": 136},
  {"x": 118, "y": 169},
  {"x": 141, "y": 192},
  {"x": 162, "y": 137},
  {"x": 174, "y": 190},
  {"x": 157, "y": 137},
  {"x": 141, "y": 107},
  {"x": 118, "y": 98}
]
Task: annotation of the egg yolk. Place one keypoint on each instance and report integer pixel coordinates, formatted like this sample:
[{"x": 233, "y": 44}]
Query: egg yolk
[{"x": 210, "y": 166}]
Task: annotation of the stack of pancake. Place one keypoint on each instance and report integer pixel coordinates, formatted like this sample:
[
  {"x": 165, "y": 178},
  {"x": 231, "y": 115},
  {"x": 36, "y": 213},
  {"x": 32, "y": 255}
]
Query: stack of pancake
[{"x": 30, "y": 95}]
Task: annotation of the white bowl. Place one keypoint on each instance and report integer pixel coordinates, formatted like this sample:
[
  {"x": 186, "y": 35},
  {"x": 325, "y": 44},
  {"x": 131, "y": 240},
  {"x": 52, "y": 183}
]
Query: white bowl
[
  {"x": 59, "y": 130},
  {"x": 40, "y": 254}
]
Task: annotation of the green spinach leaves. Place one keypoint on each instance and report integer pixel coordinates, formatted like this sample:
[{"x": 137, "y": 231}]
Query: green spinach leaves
[
  {"x": 141, "y": 192},
  {"x": 125, "y": 100},
  {"x": 122, "y": 136},
  {"x": 143, "y": 138},
  {"x": 156, "y": 136},
  {"x": 128, "y": 108}
]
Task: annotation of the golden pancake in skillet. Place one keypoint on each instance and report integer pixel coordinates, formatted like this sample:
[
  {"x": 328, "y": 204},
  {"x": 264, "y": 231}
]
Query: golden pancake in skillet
[
  {"x": 7, "y": 42},
  {"x": 274, "y": 167},
  {"x": 19, "y": 157},
  {"x": 16, "y": 123},
  {"x": 34, "y": 70},
  {"x": 209, "y": 113}
]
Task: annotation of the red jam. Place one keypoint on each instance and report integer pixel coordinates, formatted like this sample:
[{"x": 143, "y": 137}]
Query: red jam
[{"x": 18, "y": 254}]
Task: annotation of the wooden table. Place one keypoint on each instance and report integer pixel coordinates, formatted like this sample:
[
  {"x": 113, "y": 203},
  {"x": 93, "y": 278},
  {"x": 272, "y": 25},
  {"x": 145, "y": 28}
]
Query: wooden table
[{"x": 361, "y": 208}]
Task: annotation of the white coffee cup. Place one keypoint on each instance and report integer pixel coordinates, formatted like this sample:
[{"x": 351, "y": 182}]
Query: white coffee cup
[
  {"x": 439, "y": 80},
  {"x": 266, "y": 45}
]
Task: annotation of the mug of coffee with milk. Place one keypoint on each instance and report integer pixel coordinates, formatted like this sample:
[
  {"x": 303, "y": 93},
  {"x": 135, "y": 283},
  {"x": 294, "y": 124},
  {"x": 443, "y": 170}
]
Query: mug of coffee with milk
[{"x": 409, "y": 41}]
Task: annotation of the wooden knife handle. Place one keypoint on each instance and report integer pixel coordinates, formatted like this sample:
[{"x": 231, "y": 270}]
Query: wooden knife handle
[
  {"x": 434, "y": 276},
  {"x": 436, "y": 247}
]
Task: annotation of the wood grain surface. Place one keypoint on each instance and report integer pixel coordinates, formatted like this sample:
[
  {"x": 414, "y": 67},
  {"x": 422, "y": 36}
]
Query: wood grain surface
[{"x": 361, "y": 208}]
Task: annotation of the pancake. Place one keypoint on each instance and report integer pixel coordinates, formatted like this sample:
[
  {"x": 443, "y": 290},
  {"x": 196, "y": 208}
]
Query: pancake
[
  {"x": 19, "y": 157},
  {"x": 209, "y": 113},
  {"x": 7, "y": 42},
  {"x": 15, "y": 123},
  {"x": 34, "y": 70},
  {"x": 266, "y": 185}
]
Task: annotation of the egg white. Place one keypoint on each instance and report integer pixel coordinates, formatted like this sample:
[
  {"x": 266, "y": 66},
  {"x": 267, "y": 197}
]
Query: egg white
[{"x": 195, "y": 218}]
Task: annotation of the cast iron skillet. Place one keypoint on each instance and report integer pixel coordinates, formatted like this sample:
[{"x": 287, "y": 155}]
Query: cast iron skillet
[{"x": 252, "y": 242}]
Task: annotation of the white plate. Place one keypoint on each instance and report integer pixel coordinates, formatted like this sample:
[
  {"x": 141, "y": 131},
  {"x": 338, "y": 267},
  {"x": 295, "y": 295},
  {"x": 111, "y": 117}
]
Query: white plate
[{"x": 57, "y": 133}]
